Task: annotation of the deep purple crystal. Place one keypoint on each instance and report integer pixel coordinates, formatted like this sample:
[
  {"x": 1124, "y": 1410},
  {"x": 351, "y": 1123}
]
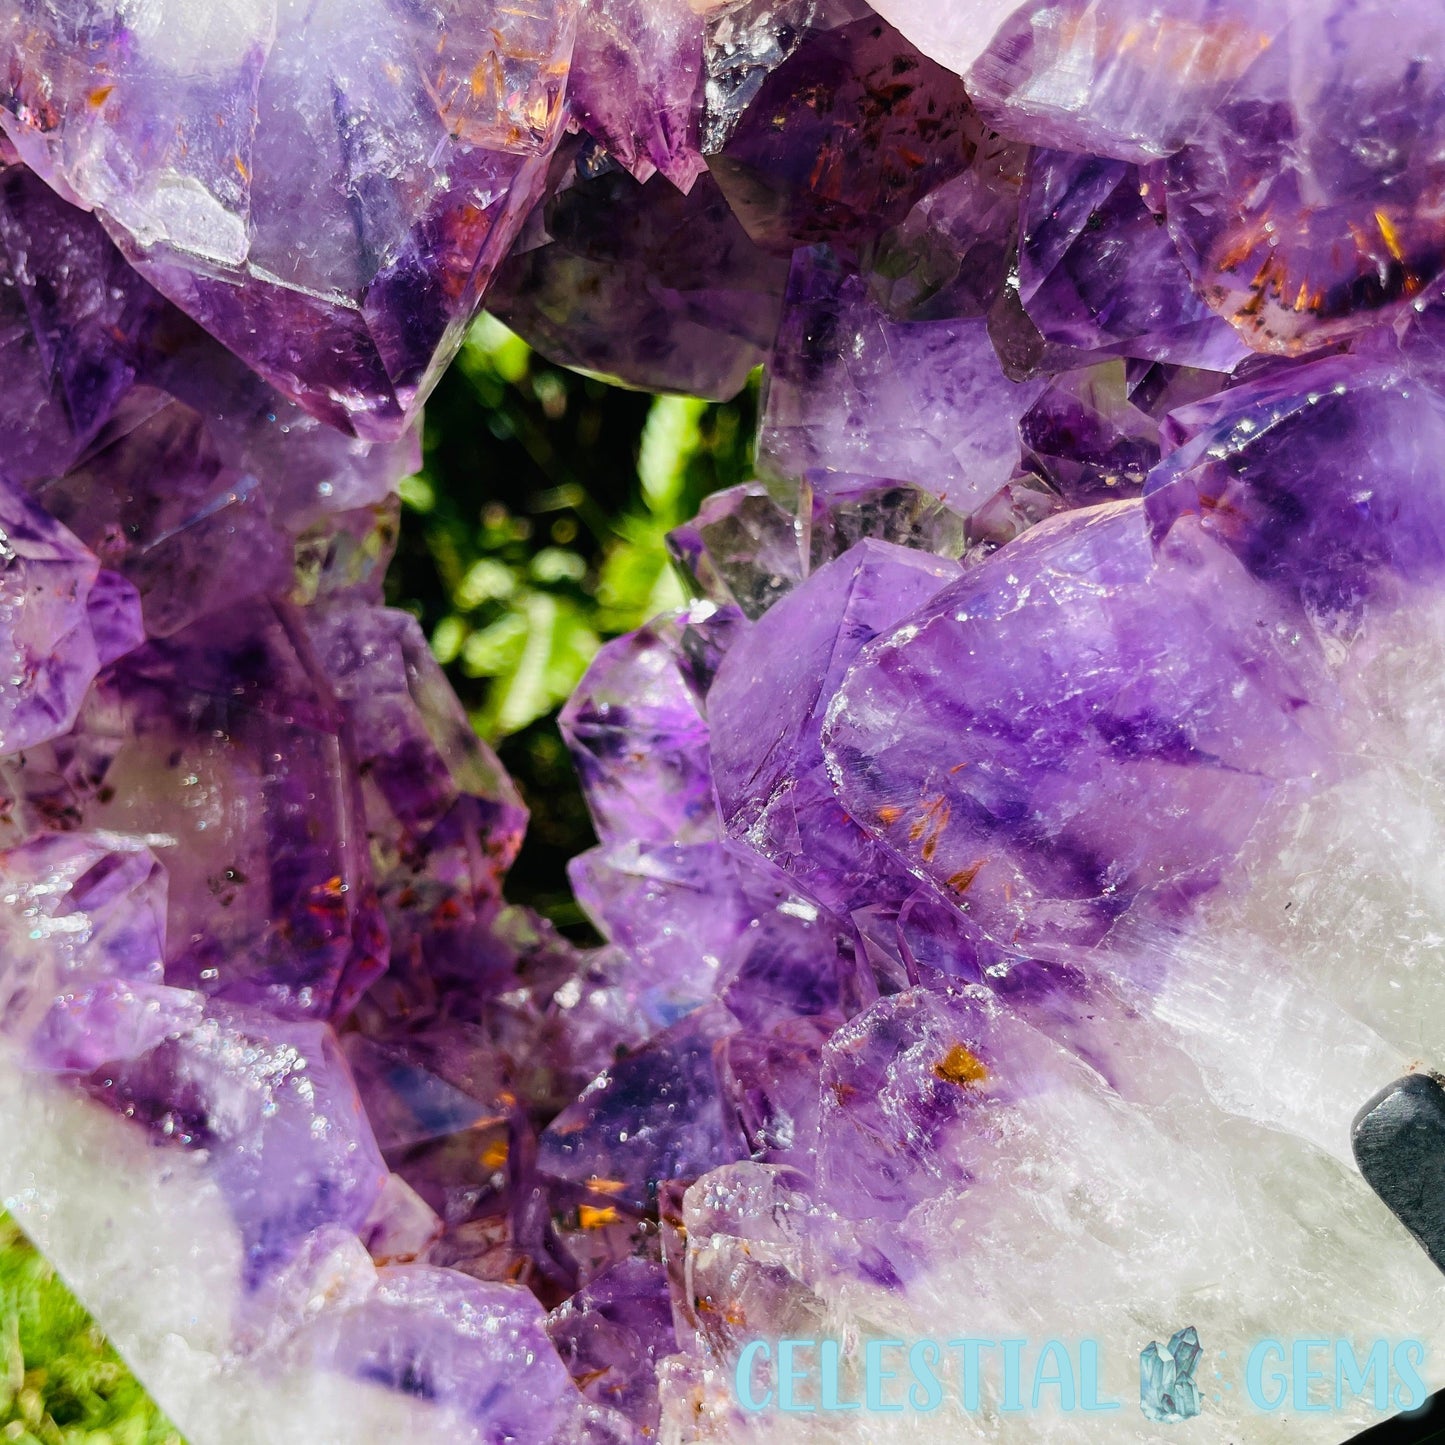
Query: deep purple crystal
[
  {"x": 1082, "y": 589},
  {"x": 329, "y": 198},
  {"x": 1024, "y": 803},
  {"x": 842, "y": 137},
  {"x": 662, "y": 290}
]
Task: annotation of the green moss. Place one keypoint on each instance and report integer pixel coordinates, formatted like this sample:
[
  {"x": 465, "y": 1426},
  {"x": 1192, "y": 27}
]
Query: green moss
[{"x": 60, "y": 1381}]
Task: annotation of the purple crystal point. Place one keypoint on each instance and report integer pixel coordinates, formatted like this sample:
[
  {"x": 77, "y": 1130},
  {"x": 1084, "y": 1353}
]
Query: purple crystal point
[
  {"x": 827, "y": 149},
  {"x": 446, "y": 1116},
  {"x": 745, "y": 548},
  {"x": 657, "y": 1114},
  {"x": 159, "y": 506},
  {"x": 1098, "y": 270},
  {"x": 170, "y": 459},
  {"x": 677, "y": 910},
  {"x": 636, "y": 84},
  {"x": 478, "y": 1351},
  {"x": 950, "y": 256},
  {"x": 637, "y": 736},
  {"x": 273, "y": 1105},
  {"x": 613, "y": 1333},
  {"x": 1292, "y": 235},
  {"x": 329, "y": 198},
  {"x": 851, "y": 390},
  {"x": 1116, "y": 78},
  {"x": 346, "y": 553},
  {"x": 773, "y": 1079},
  {"x": 900, "y": 1085},
  {"x": 423, "y": 763},
  {"x": 83, "y": 924},
  {"x": 767, "y": 708},
  {"x": 1088, "y": 721},
  {"x": 71, "y": 317},
  {"x": 1274, "y": 470},
  {"x": 715, "y": 920},
  {"x": 221, "y": 746},
  {"x": 48, "y": 648},
  {"x": 114, "y": 609},
  {"x": 662, "y": 290},
  {"x": 1087, "y": 438},
  {"x": 846, "y": 510}
]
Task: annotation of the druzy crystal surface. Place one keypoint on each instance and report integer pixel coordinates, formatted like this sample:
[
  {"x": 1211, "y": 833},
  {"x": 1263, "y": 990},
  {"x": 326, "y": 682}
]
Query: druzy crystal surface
[{"x": 1017, "y": 866}]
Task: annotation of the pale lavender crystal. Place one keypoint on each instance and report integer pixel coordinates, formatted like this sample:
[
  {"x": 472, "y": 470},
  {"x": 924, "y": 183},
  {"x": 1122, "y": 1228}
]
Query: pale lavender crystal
[
  {"x": 48, "y": 653},
  {"x": 827, "y": 149},
  {"x": 850, "y": 390},
  {"x": 746, "y": 1227},
  {"x": 924, "y": 1098},
  {"x": 1098, "y": 269},
  {"x": 401, "y": 1228},
  {"x": 326, "y": 191},
  {"x": 82, "y": 934},
  {"x": 662, "y": 290},
  {"x": 903, "y": 1087},
  {"x": 714, "y": 920},
  {"x": 955, "y": 35},
  {"x": 1081, "y": 722},
  {"x": 676, "y": 909},
  {"x": 1118, "y": 78},
  {"x": 477, "y": 1350},
  {"x": 636, "y": 84},
  {"x": 273, "y": 1105},
  {"x": 636, "y": 733},
  {"x": 1308, "y": 205},
  {"x": 768, "y": 704}
]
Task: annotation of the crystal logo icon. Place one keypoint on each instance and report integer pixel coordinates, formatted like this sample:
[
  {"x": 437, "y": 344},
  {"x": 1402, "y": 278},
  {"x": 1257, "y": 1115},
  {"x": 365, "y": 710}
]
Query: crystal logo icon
[{"x": 1167, "y": 1390}]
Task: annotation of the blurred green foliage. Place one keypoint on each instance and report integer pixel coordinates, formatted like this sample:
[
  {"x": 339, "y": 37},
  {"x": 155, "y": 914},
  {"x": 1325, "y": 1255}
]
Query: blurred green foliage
[
  {"x": 534, "y": 532},
  {"x": 60, "y": 1382}
]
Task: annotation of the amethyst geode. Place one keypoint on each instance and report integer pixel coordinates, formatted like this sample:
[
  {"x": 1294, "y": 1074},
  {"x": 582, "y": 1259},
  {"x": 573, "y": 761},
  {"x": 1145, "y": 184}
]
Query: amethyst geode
[{"x": 1015, "y": 865}]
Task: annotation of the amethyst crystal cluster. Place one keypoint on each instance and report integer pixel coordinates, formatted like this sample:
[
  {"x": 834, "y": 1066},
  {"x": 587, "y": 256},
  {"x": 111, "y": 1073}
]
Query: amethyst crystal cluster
[{"x": 1015, "y": 867}]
